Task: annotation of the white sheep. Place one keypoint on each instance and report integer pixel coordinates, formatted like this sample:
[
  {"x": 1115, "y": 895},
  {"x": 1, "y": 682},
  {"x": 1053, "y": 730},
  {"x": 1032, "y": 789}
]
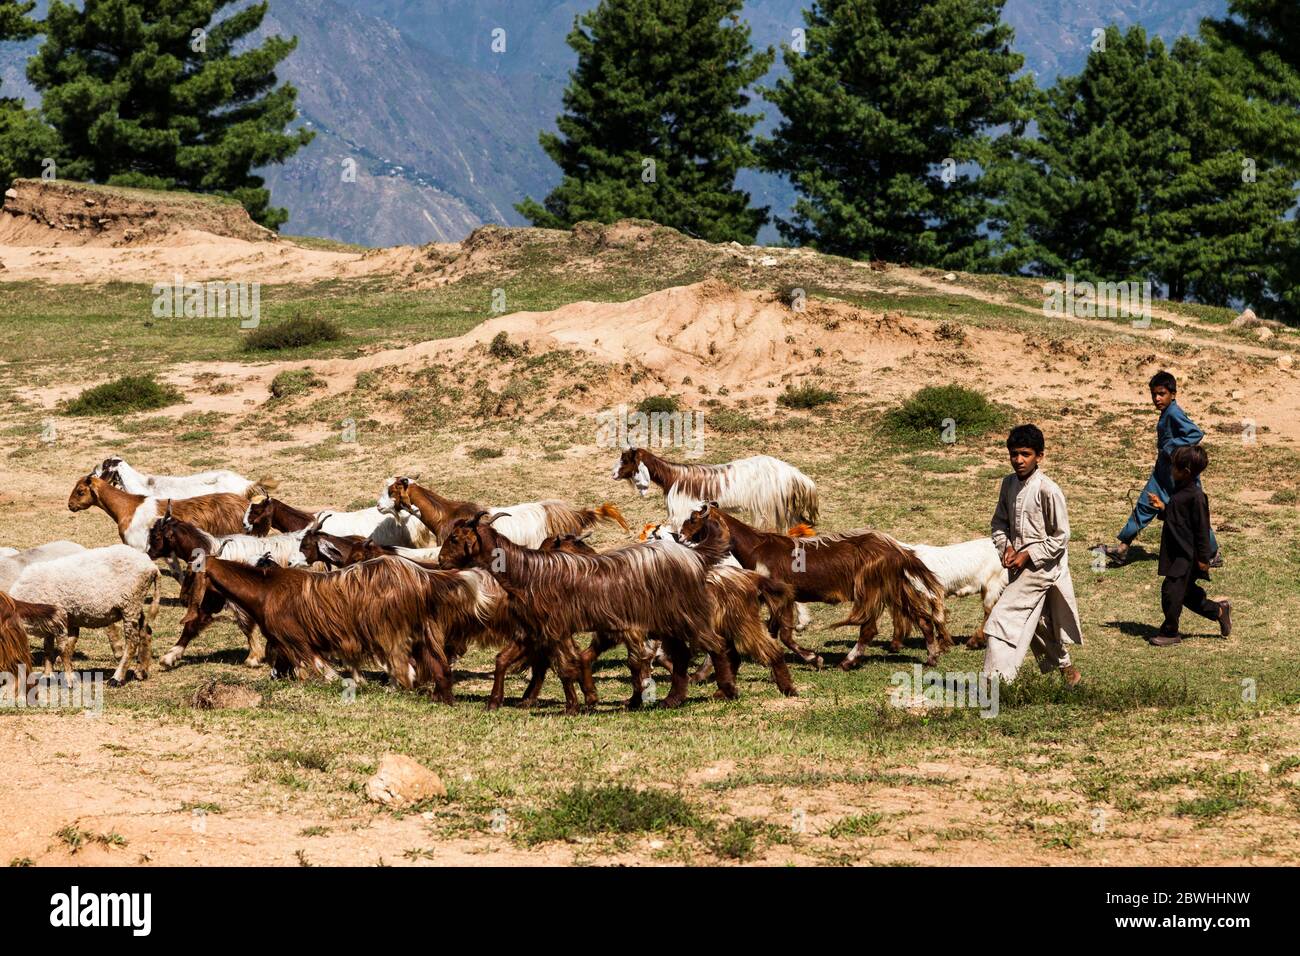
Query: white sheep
[
  {"x": 971, "y": 567},
  {"x": 14, "y": 564},
  {"x": 115, "y": 470},
  {"x": 97, "y": 588}
]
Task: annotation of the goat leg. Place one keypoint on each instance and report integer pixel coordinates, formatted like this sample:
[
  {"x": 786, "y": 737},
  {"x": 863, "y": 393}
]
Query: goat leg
[
  {"x": 680, "y": 655},
  {"x": 723, "y": 666},
  {"x": 781, "y": 624},
  {"x": 866, "y": 635},
  {"x": 506, "y": 659}
]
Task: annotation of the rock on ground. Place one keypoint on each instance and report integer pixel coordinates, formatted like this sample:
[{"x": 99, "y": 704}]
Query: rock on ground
[{"x": 401, "y": 782}]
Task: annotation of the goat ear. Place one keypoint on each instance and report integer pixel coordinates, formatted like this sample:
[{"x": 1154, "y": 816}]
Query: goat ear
[
  {"x": 330, "y": 551},
  {"x": 584, "y": 536}
]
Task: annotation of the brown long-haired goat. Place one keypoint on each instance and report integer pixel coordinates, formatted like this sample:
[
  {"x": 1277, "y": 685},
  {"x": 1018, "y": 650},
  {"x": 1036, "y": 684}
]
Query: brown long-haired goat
[
  {"x": 738, "y": 596},
  {"x": 869, "y": 570},
  {"x": 391, "y": 611},
  {"x": 657, "y": 588}
]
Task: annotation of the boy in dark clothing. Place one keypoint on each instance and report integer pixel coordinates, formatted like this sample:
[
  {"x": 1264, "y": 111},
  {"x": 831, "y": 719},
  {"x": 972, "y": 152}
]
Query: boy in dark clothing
[
  {"x": 1174, "y": 430},
  {"x": 1186, "y": 548}
]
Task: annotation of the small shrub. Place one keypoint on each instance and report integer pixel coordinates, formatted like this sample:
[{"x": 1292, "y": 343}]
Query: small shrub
[
  {"x": 482, "y": 454},
  {"x": 1286, "y": 496},
  {"x": 738, "y": 841},
  {"x": 131, "y": 393},
  {"x": 503, "y": 348},
  {"x": 806, "y": 396},
  {"x": 657, "y": 403},
  {"x": 292, "y": 333},
  {"x": 950, "y": 332},
  {"x": 728, "y": 420},
  {"x": 295, "y": 381},
  {"x": 920, "y": 419}
]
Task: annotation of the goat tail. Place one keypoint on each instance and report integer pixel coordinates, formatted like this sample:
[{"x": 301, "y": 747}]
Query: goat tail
[
  {"x": 803, "y": 501},
  {"x": 263, "y": 486},
  {"x": 609, "y": 512}
]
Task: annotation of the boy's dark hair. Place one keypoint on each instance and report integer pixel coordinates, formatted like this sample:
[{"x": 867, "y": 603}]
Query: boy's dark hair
[
  {"x": 1191, "y": 458},
  {"x": 1026, "y": 436},
  {"x": 1163, "y": 378}
]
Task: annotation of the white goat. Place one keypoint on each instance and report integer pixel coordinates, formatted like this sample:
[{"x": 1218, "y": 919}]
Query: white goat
[
  {"x": 283, "y": 549},
  {"x": 116, "y": 471},
  {"x": 971, "y": 567},
  {"x": 14, "y": 565},
  {"x": 774, "y": 493},
  {"x": 398, "y": 531},
  {"x": 97, "y": 588}
]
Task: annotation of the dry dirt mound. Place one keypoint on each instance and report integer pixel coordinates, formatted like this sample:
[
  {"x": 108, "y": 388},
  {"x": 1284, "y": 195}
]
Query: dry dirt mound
[
  {"x": 745, "y": 342},
  {"x": 58, "y": 213},
  {"x": 710, "y": 332}
]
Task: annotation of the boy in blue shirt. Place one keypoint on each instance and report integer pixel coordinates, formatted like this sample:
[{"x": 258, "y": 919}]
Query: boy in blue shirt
[{"x": 1174, "y": 430}]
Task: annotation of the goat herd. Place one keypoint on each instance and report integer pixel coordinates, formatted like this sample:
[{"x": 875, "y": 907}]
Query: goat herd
[{"x": 408, "y": 585}]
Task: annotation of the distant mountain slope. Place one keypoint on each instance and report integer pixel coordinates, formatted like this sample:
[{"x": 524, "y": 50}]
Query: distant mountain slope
[{"x": 444, "y": 130}]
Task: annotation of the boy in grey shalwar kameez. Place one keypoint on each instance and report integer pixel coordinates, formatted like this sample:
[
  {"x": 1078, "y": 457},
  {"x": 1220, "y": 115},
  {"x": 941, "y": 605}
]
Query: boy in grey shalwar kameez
[{"x": 1030, "y": 530}]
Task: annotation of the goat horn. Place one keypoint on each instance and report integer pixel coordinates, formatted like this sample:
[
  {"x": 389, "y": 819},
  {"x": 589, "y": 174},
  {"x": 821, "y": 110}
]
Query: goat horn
[{"x": 495, "y": 516}]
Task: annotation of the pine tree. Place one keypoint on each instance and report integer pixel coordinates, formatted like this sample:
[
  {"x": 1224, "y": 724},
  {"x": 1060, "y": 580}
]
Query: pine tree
[
  {"x": 1139, "y": 173},
  {"x": 653, "y": 124},
  {"x": 886, "y": 127},
  {"x": 24, "y": 139},
  {"x": 152, "y": 93},
  {"x": 1256, "y": 50}
]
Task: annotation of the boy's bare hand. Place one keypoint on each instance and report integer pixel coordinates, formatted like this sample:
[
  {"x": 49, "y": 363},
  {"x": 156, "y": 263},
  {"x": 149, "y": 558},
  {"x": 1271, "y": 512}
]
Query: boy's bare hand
[
  {"x": 1012, "y": 558},
  {"x": 1155, "y": 501},
  {"x": 1204, "y": 566}
]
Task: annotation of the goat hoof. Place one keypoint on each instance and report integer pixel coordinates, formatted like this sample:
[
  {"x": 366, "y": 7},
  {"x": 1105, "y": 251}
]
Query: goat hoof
[
  {"x": 633, "y": 703},
  {"x": 113, "y": 682},
  {"x": 848, "y": 665},
  {"x": 253, "y": 662},
  {"x": 493, "y": 705},
  {"x": 525, "y": 704},
  {"x": 672, "y": 702},
  {"x": 932, "y": 660}
]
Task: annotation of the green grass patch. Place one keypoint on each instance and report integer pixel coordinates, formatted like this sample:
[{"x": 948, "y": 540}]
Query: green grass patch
[
  {"x": 587, "y": 811},
  {"x": 296, "y": 381},
  {"x": 485, "y": 453},
  {"x": 130, "y": 393}
]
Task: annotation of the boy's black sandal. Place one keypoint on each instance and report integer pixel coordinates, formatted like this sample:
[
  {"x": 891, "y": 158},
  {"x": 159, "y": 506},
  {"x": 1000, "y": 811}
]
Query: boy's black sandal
[
  {"x": 1111, "y": 552},
  {"x": 1225, "y": 619}
]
